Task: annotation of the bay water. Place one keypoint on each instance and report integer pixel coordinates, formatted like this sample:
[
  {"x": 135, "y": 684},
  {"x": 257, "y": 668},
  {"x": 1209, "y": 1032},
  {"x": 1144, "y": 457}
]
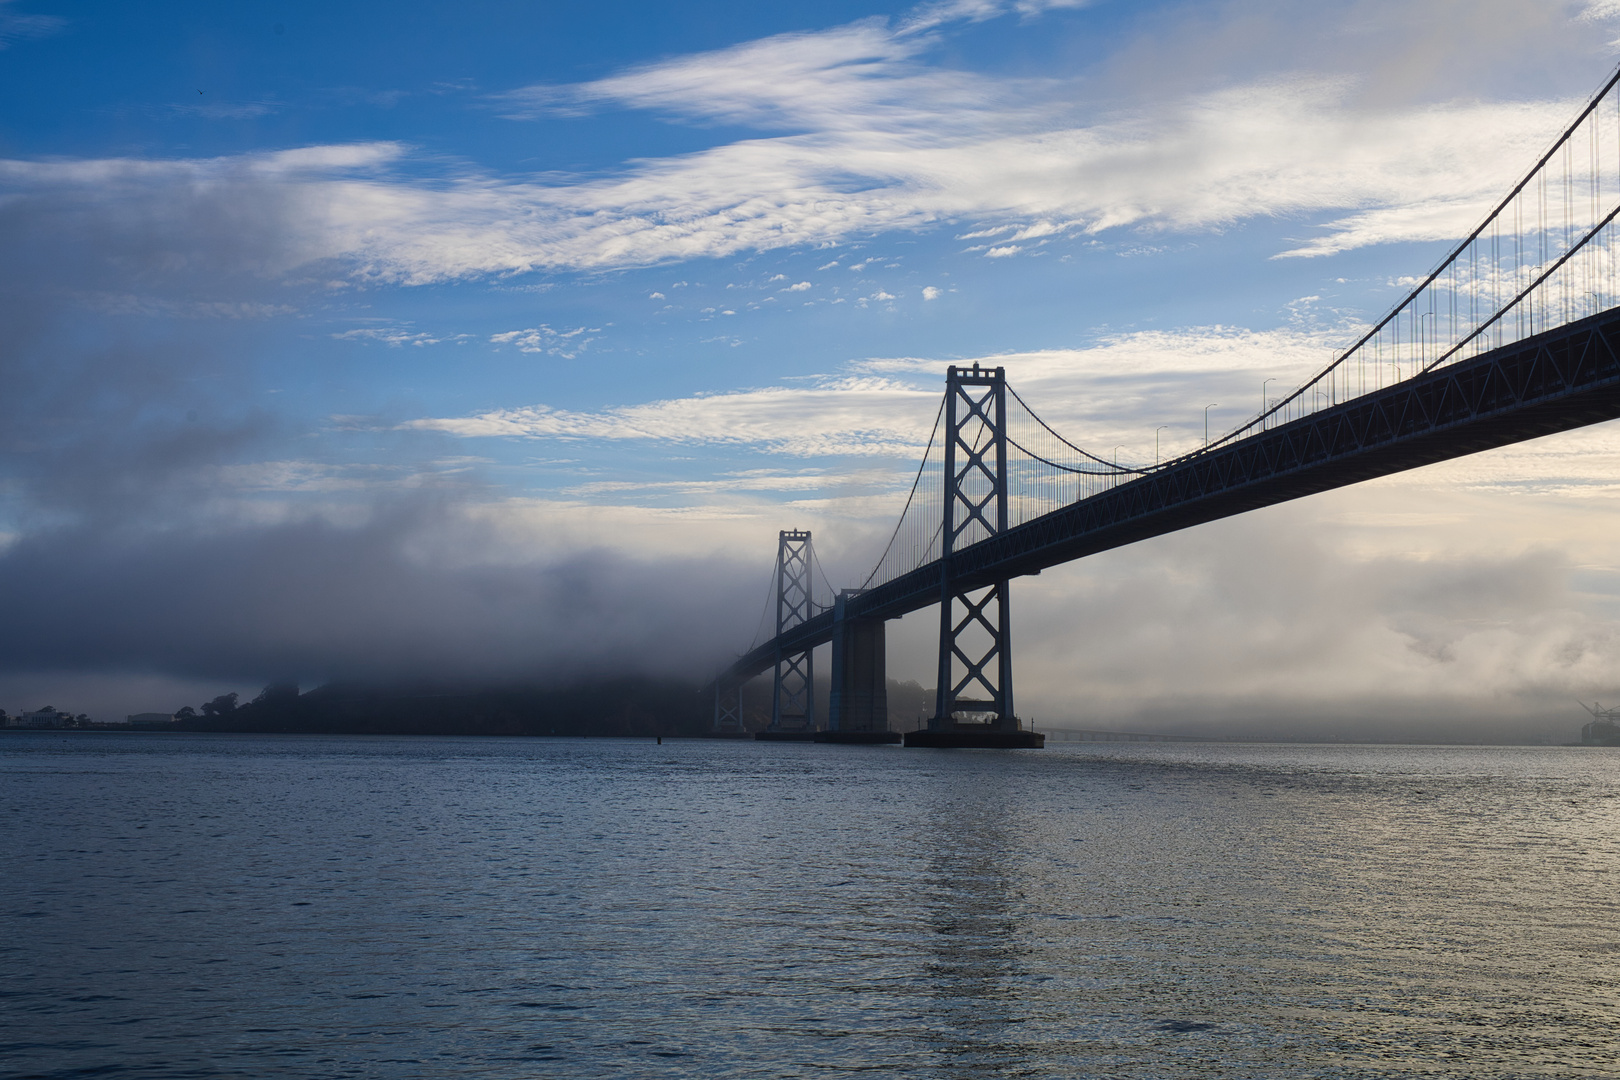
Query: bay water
[{"x": 192, "y": 905}]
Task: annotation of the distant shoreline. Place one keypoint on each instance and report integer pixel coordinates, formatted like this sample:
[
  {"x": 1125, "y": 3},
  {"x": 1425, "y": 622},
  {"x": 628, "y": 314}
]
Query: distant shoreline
[{"x": 1233, "y": 740}]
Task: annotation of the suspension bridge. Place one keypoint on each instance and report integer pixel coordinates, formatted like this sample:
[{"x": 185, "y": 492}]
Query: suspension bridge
[{"x": 1514, "y": 335}]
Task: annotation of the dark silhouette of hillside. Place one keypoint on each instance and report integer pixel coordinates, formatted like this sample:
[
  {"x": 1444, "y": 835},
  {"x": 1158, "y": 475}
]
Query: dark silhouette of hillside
[
  {"x": 607, "y": 707},
  {"x": 620, "y": 707}
]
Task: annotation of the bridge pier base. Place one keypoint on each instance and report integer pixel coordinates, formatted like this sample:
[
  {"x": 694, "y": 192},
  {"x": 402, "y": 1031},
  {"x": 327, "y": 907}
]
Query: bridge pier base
[
  {"x": 976, "y": 736},
  {"x": 858, "y": 709}
]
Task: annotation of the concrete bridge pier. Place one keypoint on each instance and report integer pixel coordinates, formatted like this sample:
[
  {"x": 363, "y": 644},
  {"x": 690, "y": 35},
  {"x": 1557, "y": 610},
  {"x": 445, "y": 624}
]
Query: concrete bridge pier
[{"x": 859, "y": 704}]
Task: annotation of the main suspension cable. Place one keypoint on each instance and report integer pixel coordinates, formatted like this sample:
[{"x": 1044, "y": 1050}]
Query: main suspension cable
[
  {"x": 916, "y": 481},
  {"x": 765, "y": 612},
  {"x": 1112, "y": 469},
  {"x": 1083, "y": 453},
  {"x": 1434, "y": 275}
]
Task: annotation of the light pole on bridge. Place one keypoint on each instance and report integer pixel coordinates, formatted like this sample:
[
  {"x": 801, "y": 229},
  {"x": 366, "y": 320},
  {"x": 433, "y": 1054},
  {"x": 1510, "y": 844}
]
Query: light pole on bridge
[
  {"x": 1214, "y": 405},
  {"x": 1156, "y": 431},
  {"x": 1263, "y": 400}
]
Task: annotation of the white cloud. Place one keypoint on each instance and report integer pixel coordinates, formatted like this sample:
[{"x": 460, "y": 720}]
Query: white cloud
[
  {"x": 820, "y": 81},
  {"x": 392, "y": 336},
  {"x": 1121, "y": 388},
  {"x": 929, "y": 15},
  {"x": 797, "y": 287},
  {"x": 1040, "y": 229},
  {"x": 873, "y": 139},
  {"x": 567, "y": 344},
  {"x": 858, "y": 415},
  {"x": 769, "y": 481},
  {"x": 931, "y": 143},
  {"x": 930, "y": 292},
  {"x": 120, "y": 175}
]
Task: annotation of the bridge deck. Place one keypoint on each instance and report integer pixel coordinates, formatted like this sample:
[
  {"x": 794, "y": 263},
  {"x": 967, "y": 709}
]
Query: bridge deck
[{"x": 1557, "y": 381}]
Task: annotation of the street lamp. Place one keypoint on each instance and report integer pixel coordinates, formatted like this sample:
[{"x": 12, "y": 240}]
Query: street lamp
[
  {"x": 1206, "y": 421},
  {"x": 1156, "y": 431}
]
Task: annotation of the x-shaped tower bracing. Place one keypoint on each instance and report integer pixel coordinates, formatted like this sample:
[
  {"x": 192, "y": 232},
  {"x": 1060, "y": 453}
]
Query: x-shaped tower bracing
[
  {"x": 794, "y": 691},
  {"x": 975, "y": 651}
]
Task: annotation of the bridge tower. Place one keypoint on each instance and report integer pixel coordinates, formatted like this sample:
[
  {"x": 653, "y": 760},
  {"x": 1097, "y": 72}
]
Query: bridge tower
[
  {"x": 793, "y": 694},
  {"x": 974, "y": 703}
]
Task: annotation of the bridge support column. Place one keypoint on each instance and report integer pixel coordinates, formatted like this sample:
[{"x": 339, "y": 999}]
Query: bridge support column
[
  {"x": 793, "y": 691},
  {"x": 974, "y": 703},
  {"x": 858, "y": 711},
  {"x": 728, "y": 719}
]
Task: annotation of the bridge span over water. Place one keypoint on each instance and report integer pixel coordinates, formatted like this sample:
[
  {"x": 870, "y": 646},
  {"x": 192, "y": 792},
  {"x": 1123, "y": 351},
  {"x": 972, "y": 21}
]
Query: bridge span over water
[{"x": 1514, "y": 335}]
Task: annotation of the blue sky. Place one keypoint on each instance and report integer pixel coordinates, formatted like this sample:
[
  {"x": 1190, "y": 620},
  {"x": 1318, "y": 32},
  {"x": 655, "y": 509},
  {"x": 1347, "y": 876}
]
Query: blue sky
[{"x": 499, "y": 339}]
